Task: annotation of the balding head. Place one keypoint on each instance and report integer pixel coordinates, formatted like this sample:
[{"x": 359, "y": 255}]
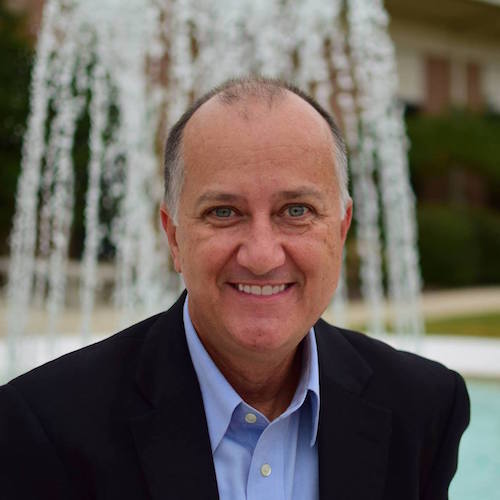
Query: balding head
[{"x": 248, "y": 97}]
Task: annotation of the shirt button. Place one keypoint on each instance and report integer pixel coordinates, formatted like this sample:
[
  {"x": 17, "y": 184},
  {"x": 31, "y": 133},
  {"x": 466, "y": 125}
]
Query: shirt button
[
  {"x": 265, "y": 470},
  {"x": 250, "y": 418}
]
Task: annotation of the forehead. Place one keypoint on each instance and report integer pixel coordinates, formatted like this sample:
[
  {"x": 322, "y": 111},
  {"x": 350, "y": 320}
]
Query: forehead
[{"x": 253, "y": 126}]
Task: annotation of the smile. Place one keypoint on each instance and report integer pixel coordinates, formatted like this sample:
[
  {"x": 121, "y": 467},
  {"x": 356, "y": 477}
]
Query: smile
[{"x": 261, "y": 290}]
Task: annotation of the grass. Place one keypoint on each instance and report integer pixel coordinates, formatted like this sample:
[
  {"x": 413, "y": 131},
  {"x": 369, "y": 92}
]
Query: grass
[
  {"x": 472, "y": 325},
  {"x": 477, "y": 325}
]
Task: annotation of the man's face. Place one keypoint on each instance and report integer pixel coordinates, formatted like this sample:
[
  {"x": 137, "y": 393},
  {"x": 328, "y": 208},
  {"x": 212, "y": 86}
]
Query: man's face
[{"x": 260, "y": 235}]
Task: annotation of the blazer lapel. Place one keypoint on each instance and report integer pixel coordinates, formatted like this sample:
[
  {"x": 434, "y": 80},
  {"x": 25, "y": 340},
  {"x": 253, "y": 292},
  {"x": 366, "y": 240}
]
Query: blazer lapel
[
  {"x": 353, "y": 434},
  {"x": 169, "y": 427}
]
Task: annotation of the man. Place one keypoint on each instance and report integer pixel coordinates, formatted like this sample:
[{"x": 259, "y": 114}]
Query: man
[{"x": 240, "y": 391}]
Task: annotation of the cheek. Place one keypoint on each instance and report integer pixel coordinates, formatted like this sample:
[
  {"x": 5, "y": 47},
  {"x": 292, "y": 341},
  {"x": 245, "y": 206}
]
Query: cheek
[
  {"x": 205, "y": 254},
  {"x": 322, "y": 248},
  {"x": 187, "y": 257},
  {"x": 321, "y": 257},
  {"x": 333, "y": 242}
]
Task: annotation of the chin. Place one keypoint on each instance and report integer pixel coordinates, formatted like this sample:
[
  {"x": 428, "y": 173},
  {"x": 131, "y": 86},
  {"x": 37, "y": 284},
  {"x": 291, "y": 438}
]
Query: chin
[{"x": 265, "y": 337}]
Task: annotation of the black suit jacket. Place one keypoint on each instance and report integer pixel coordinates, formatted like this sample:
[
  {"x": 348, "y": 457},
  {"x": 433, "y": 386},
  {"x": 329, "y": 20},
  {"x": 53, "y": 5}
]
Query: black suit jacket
[{"x": 124, "y": 419}]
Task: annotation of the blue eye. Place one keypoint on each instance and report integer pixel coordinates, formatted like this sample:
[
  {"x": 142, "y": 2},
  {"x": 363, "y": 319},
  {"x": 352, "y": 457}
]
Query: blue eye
[
  {"x": 297, "y": 210},
  {"x": 223, "y": 212}
]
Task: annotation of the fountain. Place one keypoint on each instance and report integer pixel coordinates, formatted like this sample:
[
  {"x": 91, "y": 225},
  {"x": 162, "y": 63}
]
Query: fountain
[{"x": 134, "y": 67}]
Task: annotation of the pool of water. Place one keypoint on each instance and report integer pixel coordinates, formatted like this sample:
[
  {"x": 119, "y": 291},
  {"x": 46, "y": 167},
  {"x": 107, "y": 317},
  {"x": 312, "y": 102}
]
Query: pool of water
[{"x": 478, "y": 474}]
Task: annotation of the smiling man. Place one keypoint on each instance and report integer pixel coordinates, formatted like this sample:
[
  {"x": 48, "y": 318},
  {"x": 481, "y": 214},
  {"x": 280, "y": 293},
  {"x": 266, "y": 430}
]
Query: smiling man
[
  {"x": 240, "y": 391},
  {"x": 259, "y": 235}
]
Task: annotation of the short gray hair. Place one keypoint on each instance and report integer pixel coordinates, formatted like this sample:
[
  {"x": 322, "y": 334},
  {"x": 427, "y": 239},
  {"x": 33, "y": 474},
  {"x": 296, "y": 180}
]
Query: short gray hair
[{"x": 230, "y": 92}]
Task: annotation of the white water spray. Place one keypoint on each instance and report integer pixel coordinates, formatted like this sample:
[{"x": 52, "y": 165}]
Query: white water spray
[{"x": 134, "y": 67}]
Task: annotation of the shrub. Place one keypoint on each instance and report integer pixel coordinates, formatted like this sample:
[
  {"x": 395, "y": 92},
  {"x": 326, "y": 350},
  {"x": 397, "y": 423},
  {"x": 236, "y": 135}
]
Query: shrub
[{"x": 459, "y": 246}]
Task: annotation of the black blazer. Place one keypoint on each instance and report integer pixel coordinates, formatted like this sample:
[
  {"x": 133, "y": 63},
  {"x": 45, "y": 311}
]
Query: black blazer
[{"x": 124, "y": 419}]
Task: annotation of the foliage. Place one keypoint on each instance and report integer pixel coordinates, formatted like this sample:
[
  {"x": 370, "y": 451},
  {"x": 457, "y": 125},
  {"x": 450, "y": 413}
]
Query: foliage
[
  {"x": 458, "y": 139},
  {"x": 16, "y": 56},
  {"x": 458, "y": 245},
  {"x": 454, "y": 164}
]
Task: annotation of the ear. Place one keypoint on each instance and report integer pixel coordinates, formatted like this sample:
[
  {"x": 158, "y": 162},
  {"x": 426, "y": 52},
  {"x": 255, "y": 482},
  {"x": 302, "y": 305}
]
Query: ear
[
  {"x": 346, "y": 221},
  {"x": 171, "y": 231}
]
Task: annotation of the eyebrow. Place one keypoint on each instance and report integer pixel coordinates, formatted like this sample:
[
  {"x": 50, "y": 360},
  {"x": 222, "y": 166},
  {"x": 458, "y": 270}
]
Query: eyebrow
[
  {"x": 300, "y": 193},
  {"x": 217, "y": 197},
  {"x": 225, "y": 197}
]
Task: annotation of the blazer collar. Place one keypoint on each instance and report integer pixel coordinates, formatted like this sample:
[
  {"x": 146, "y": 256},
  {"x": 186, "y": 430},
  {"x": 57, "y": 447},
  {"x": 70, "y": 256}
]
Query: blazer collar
[
  {"x": 353, "y": 435},
  {"x": 169, "y": 427}
]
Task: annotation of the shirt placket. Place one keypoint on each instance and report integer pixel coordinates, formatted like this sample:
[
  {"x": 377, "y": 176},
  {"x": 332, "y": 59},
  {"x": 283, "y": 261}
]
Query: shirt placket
[{"x": 265, "y": 478}]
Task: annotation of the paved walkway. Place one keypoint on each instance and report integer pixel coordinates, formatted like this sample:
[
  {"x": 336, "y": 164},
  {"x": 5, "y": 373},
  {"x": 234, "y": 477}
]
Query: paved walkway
[{"x": 440, "y": 304}]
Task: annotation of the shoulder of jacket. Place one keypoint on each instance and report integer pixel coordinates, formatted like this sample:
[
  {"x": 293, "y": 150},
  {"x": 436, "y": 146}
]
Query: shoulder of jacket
[{"x": 396, "y": 368}]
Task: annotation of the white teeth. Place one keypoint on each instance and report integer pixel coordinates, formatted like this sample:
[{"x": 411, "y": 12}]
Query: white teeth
[{"x": 261, "y": 290}]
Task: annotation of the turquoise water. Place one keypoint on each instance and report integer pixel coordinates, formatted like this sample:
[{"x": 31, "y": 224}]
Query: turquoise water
[{"x": 478, "y": 475}]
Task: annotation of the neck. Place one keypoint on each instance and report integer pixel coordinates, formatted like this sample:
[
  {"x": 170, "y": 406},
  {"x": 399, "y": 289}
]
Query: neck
[{"x": 269, "y": 386}]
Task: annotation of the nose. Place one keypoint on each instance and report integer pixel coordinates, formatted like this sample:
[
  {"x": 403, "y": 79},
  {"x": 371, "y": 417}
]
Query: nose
[{"x": 262, "y": 249}]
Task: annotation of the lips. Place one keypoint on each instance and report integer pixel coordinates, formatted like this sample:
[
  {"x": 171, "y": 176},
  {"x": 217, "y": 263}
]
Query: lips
[{"x": 261, "y": 290}]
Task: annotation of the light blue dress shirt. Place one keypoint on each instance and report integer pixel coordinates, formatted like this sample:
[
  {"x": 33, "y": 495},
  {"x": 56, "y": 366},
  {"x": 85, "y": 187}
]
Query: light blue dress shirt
[{"x": 256, "y": 459}]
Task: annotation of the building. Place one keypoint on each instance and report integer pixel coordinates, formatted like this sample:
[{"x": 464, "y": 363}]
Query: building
[{"x": 448, "y": 53}]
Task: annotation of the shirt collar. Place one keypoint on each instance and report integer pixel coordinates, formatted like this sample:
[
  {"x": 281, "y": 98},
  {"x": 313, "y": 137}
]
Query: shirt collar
[{"x": 219, "y": 397}]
